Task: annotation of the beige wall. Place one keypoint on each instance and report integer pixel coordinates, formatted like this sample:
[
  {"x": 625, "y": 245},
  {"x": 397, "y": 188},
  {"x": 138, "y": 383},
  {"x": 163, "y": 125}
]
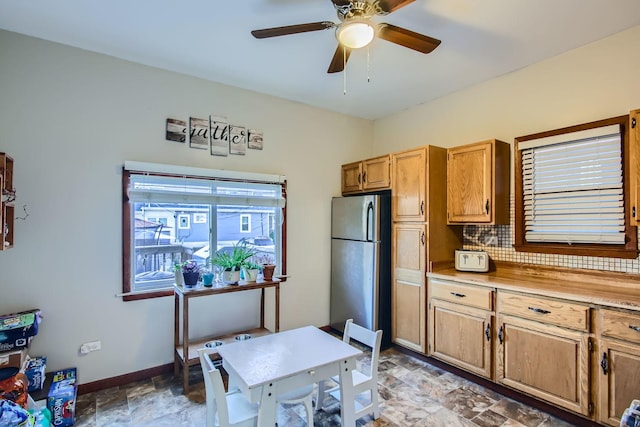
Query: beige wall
[
  {"x": 593, "y": 82},
  {"x": 70, "y": 119}
]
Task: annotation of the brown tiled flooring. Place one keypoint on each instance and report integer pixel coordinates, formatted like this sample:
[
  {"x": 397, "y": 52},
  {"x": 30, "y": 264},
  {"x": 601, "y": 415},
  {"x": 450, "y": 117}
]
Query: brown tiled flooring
[{"x": 413, "y": 393}]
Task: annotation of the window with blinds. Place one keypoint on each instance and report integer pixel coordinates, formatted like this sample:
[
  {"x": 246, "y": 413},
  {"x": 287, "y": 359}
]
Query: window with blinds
[
  {"x": 570, "y": 191},
  {"x": 175, "y": 214},
  {"x": 573, "y": 190}
]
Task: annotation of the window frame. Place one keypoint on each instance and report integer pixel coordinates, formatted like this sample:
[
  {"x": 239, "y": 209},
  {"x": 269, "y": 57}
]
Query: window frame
[
  {"x": 628, "y": 250},
  {"x": 127, "y": 227}
]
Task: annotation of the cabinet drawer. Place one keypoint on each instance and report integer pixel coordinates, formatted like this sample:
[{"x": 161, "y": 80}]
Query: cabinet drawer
[
  {"x": 621, "y": 325},
  {"x": 557, "y": 312},
  {"x": 462, "y": 294}
]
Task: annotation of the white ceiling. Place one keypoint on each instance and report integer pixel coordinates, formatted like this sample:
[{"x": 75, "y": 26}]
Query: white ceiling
[{"x": 211, "y": 39}]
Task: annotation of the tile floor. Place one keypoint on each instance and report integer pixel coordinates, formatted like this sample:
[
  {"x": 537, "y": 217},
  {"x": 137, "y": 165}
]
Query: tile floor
[{"x": 412, "y": 391}]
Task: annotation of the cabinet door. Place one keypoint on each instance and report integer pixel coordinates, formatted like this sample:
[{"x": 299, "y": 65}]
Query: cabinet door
[
  {"x": 619, "y": 368},
  {"x": 408, "y": 170},
  {"x": 469, "y": 183},
  {"x": 461, "y": 336},
  {"x": 633, "y": 170},
  {"x": 544, "y": 361},
  {"x": 376, "y": 173},
  {"x": 408, "y": 288},
  {"x": 352, "y": 177}
]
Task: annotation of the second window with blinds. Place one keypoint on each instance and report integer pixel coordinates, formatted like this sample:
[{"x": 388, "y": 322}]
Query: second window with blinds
[{"x": 570, "y": 191}]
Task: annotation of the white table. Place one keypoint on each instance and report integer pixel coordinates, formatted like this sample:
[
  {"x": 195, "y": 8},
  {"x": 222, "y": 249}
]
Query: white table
[{"x": 264, "y": 367}]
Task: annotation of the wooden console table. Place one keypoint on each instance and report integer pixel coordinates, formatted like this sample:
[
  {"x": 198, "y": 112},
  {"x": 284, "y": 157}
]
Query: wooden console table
[{"x": 186, "y": 352}]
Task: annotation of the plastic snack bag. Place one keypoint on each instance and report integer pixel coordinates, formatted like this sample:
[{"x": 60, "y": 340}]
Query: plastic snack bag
[{"x": 12, "y": 414}]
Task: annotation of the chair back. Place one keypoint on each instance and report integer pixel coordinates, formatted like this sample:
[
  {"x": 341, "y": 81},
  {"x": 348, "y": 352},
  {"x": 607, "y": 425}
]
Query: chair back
[
  {"x": 372, "y": 339},
  {"x": 214, "y": 387}
]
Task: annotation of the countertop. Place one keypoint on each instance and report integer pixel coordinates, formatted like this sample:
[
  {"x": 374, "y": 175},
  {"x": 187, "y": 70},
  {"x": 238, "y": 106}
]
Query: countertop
[{"x": 617, "y": 290}]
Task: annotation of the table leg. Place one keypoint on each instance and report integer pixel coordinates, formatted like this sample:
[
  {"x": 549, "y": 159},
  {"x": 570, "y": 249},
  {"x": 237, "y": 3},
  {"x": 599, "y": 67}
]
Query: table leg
[
  {"x": 278, "y": 307},
  {"x": 185, "y": 344},
  {"x": 347, "y": 397},
  {"x": 267, "y": 412},
  {"x": 176, "y": 333}
]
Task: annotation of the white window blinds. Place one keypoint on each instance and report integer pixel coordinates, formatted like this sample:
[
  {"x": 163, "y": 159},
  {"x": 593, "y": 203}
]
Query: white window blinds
[
  {"x": 573, "y": 189},
  {"x": 214, "y": 187}
]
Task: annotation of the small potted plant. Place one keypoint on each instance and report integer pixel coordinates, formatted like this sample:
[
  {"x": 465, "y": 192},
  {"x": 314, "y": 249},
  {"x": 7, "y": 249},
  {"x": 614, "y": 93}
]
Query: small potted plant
[
  {"x": 177, "y": 271},
  {"x": 190, "y": 273},
  {"x": 250, "y": 271},
  {"x": 232, "y": 261},
  {"x": 268, "y": 267}
]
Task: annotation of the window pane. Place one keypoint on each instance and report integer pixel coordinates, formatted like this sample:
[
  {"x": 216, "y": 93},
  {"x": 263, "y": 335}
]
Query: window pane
[
  {"x": 174, "y": 219},
  {"x": 173, "y": 237}
]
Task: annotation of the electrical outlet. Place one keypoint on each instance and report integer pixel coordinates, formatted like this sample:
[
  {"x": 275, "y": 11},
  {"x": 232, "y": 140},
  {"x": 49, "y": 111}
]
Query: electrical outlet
[{"x": 90, "y": 346}]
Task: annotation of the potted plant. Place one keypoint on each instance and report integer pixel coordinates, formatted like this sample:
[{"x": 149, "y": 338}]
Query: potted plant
[
  {"x": 190, "y": 273},
  {"x": 268, "y": 267},
  {"x": 177, "y": 271},
  {"x": 232, "y": 261},
  {"x": 251, "y": 270}
]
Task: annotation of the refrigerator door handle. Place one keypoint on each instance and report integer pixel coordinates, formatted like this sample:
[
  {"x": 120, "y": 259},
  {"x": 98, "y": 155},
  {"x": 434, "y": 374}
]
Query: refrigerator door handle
[{"x": 369, "y": 215}]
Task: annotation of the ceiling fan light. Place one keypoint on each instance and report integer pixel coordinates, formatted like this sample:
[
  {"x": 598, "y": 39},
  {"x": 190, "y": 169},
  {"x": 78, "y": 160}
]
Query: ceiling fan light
[{"x": 355, "y": 34}]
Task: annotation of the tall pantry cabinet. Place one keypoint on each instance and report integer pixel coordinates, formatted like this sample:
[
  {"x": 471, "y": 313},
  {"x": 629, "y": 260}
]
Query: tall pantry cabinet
[{"x": 420, "y": 237}]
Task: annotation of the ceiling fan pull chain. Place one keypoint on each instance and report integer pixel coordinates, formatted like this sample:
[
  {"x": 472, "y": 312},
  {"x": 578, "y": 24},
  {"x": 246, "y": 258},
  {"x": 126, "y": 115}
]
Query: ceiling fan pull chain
[
  {"x": 368, "y": 65},
  {"x": 344, "y": 73}
]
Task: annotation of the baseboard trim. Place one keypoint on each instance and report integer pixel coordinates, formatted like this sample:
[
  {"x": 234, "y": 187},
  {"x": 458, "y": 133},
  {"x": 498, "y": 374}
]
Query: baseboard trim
[{"x": 124, "y": 379}]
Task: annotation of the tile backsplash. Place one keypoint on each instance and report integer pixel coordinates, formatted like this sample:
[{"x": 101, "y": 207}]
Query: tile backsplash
[{"x": 498, "y": 241}]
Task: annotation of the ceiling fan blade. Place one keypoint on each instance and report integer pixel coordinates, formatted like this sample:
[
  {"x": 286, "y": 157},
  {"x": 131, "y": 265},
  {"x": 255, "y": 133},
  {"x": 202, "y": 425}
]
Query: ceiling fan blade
[
  {"x": 389, "y": 6},
  {"x": 407, "y": 38},
  {"x": 292, "y": 29},
  {"x": 340, "y": 57}
]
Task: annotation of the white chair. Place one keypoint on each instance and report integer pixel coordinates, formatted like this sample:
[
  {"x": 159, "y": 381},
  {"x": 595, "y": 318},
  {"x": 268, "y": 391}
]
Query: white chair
[
  {"x": 300, "y": 395},
  {"x": 364, "y": 380},
  {"x": 230, "y": 409}
]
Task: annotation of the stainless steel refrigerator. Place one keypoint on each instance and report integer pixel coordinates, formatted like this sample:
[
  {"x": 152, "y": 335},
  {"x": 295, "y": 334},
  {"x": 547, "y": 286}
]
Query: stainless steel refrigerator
[{"x": 361, "y": 262}]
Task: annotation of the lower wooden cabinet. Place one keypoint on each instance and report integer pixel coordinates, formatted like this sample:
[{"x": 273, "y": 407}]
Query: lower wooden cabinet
[
  {"x": 461, "y": 336},
  {"x": 618, "y": 383},
  {"x": 618, "y": 363},
  {"x": 408, "y": 291},
  {"x": 579, "y": 356},
  {"x": 545, "y": 361}
]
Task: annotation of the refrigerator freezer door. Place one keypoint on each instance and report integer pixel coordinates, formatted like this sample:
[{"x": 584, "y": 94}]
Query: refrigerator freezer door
[
  {"x": 354, "y": 283},
  {"x": 355, "y": 218}
]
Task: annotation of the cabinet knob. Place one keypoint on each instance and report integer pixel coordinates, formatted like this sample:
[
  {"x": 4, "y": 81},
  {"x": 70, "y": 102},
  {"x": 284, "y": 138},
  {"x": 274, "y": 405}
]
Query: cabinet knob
[
  {"x": 364, "y": 176},
  {"x": 422, "y": 238},
  {"x": 486, "y": 207},
  {"x": 603, "y": 364},
  {"x": 359, "y": 179},
  {"x": 635, "y": 328},
  {"x": 487, "y": 332},
  {"x": 422, "y": 208},
  {"x": 501, "y": 334}
]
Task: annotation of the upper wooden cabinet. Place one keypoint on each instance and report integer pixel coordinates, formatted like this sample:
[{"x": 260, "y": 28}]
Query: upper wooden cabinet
[
  {"x": 366, "y": 175},
  {"x": 634, "y": 167},
  {"x": 478, "y": 183},
  {"x": 408, "y": 183}
]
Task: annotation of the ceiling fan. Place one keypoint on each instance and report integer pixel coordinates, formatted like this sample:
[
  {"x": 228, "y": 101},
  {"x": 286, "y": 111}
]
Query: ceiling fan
[{"x": 357, "y": 30}]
